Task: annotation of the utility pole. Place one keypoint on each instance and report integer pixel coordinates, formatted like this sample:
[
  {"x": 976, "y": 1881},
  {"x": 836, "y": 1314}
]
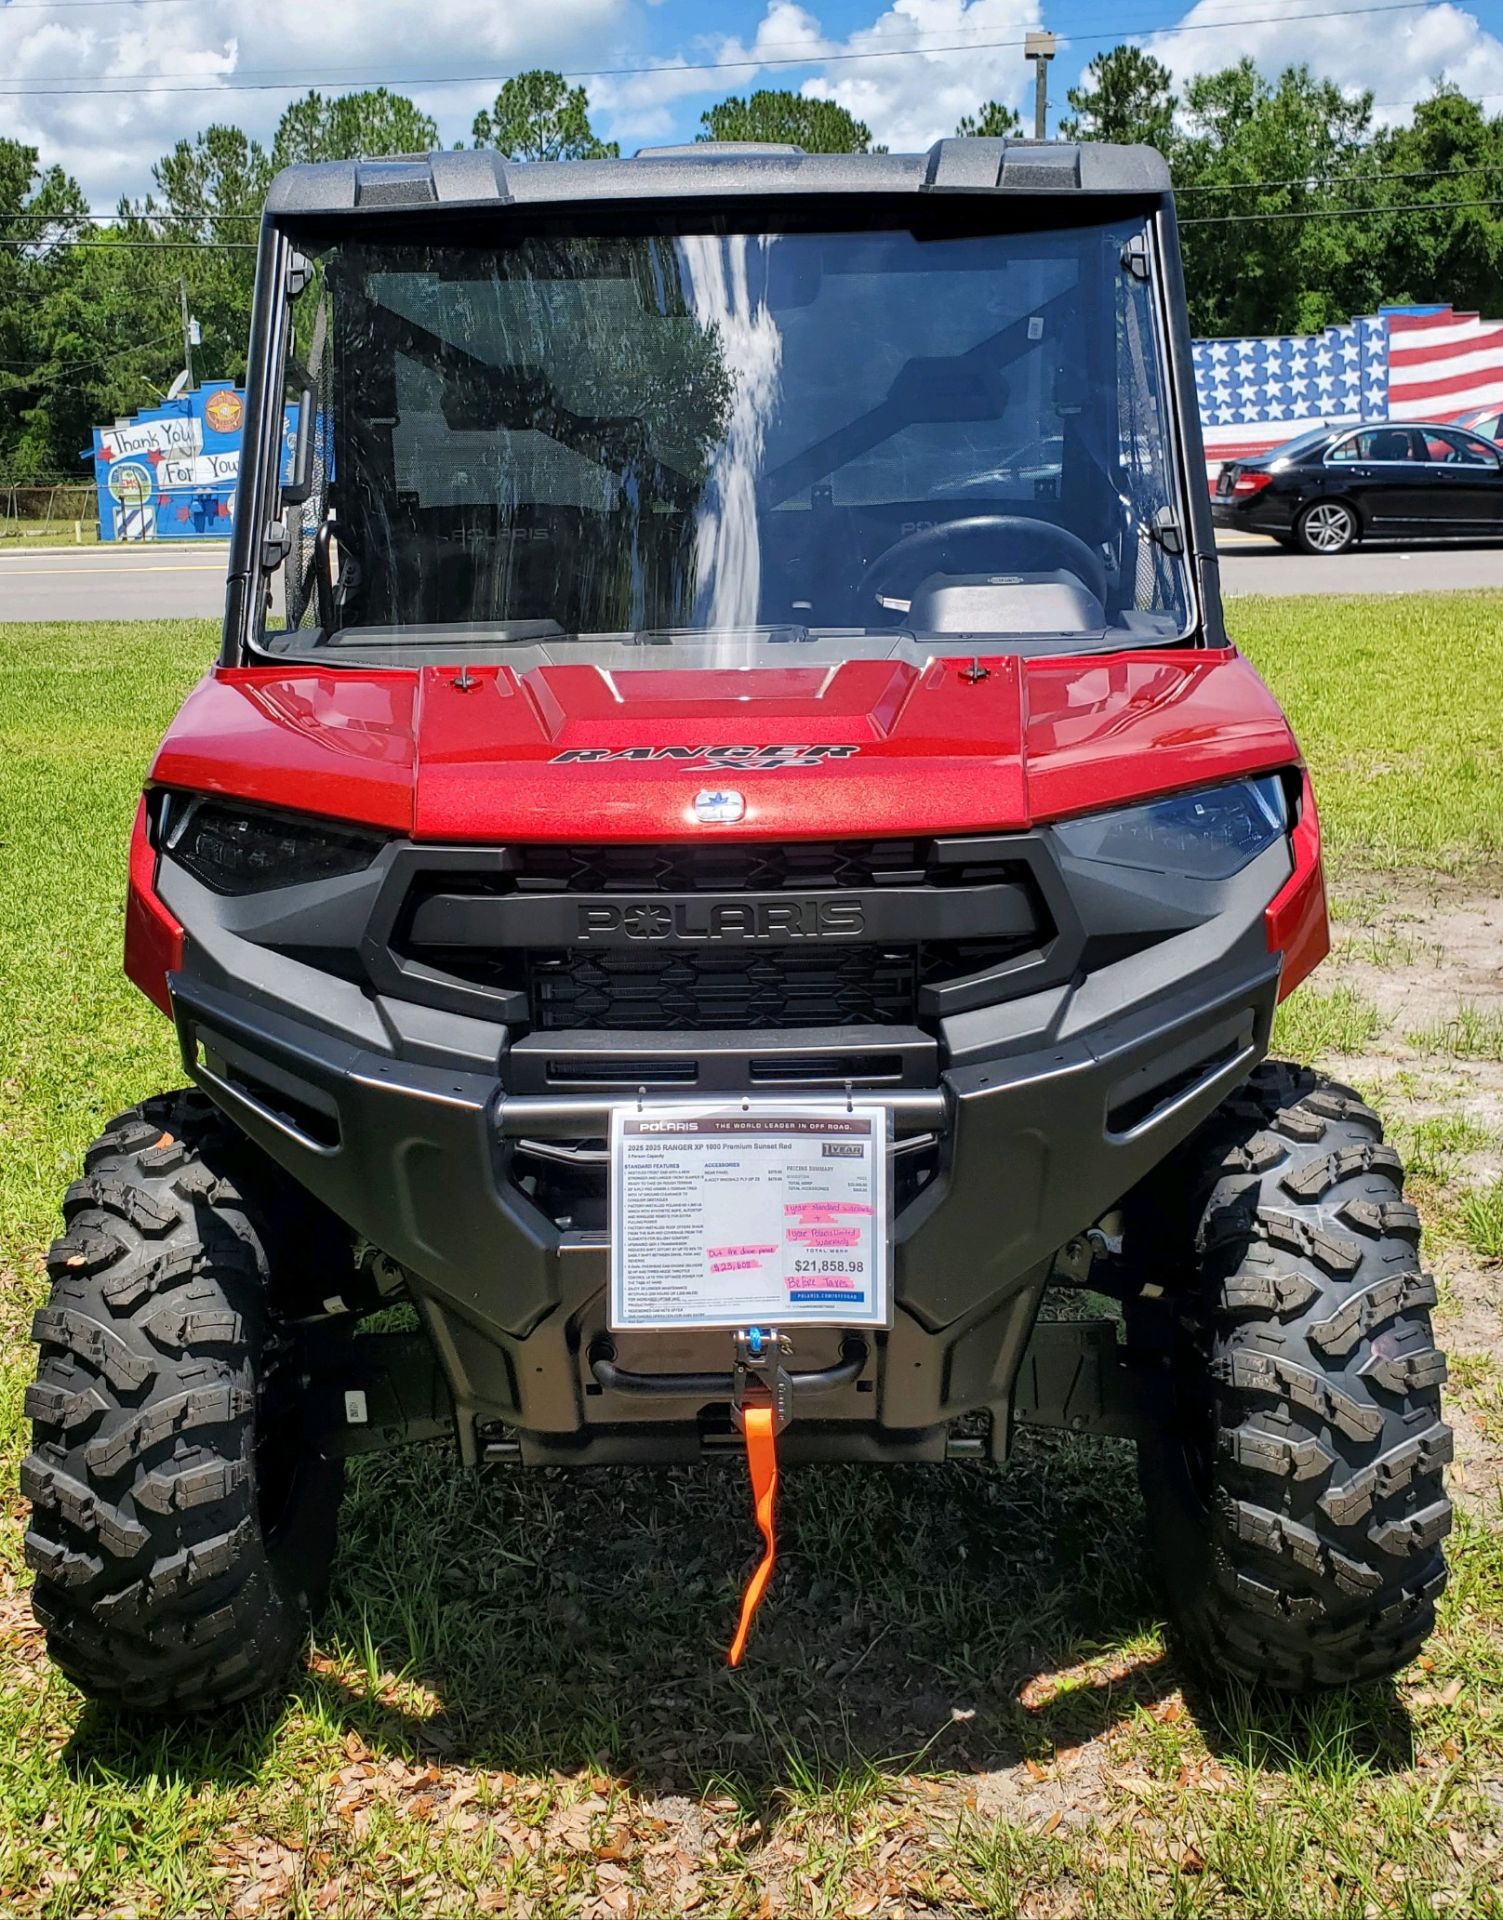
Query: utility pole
[
  {"x": 1039, "y": 48},
  {"x": 182, "y": 287}
]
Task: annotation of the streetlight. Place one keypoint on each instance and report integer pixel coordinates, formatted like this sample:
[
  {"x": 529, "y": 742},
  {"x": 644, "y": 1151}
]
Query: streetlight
[{"x": 1039, "y": 48}]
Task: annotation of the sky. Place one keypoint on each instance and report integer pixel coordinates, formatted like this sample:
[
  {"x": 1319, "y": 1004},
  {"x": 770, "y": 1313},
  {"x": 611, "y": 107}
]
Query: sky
[{"x": 102, "y": 87}]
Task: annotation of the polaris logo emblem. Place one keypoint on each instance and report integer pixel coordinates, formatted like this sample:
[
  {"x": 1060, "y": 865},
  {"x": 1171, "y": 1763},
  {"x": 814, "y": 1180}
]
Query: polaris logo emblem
[
  {"x": 718, "y": 806},
  {"x": 719, "y": 922}
]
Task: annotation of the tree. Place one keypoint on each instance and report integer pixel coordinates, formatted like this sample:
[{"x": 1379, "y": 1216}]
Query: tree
[
  {"x": 351, "y": 127},
  {"x": 536, "y": 116},
  {"x": 209, "y": 191},
  {"x": 993, "y": 122},
  {"x": 1123, "y": 95},
  {"x": 1256, "y": 159},
  {"x": 217, "y": 177},
  {"x": 1451, "y": 153},
  {"x": 780, "y": 118},
  {"x": 50, "y": 330}
]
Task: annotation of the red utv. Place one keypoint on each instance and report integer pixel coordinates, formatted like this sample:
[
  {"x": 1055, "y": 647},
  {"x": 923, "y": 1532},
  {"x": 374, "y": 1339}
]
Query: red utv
[{"x": 718, "y": 885}]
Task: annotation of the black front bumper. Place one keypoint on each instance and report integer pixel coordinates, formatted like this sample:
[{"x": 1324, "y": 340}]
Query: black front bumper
[{"x": 1040, "y": 1124}]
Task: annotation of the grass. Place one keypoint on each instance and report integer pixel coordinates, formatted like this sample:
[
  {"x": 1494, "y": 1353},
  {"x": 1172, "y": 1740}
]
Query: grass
[
  {"x": 81, "y": 710},
  {"x": 1434, "y": 1145},
  {"x": 1471, "y": 1033},
  {"x": 1481, "y": 1215},
  {"x": 57, "y": 532},
  {"x": 1310, "y": 1023},
  {"x": 1395, "y": 705},
  {"x": 959, "y": 1702}
]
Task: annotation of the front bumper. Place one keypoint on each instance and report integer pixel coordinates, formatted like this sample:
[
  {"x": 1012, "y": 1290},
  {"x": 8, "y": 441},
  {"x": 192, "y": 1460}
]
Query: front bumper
[{"x": 1054, "y": 1106}]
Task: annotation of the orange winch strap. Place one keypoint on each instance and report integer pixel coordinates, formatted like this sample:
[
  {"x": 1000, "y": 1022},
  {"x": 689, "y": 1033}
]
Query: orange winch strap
[{"x": 762, "y": 1463}]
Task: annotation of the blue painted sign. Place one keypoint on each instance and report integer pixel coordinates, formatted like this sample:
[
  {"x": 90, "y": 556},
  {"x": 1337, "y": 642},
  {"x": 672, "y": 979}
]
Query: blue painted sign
[{"x": 169, "y": 472}]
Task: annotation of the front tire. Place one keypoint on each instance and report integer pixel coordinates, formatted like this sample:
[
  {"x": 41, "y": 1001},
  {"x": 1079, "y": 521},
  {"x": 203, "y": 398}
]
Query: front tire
[
  {"x": 183, "y": 1524},
  {"x": 1328, "y": 527},
  {"x": 1294, "y": 1495}
]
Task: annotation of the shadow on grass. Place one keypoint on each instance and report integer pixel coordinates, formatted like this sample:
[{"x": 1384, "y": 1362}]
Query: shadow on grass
[{"x": 558, "y": 1622}]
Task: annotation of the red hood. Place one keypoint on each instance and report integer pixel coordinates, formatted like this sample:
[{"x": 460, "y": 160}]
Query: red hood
[{"x": 868, "y": 748}]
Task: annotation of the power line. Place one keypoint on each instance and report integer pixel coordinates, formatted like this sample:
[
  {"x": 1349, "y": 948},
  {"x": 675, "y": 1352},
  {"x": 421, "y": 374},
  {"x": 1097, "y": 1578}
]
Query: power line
[
  {"x": 1337, "y": 213},
  {"x": 154, "y": 246},
  {"x": 1472, "y": 99},
  {"x": 140, "y": 218},
  {"x": 1194, "y": 220},
  {"x": 19, "y": 369},
  {"x": 1367, "y": 180},
  {"x": 1341, "y": 182},
  {"x": 1346, "y": 180},
  {"x": 61, "y": 83}
]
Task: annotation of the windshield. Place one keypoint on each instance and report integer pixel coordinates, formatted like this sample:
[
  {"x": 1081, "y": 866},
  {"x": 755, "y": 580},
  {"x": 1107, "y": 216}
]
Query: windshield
[{"x": 721, "y": 439}]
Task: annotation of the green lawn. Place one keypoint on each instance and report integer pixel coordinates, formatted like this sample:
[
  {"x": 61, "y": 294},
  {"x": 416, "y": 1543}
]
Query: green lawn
[
  {"x": 49, "y": 533},
  {"x": 1398, "y": 704},
  {"x": 959, "y": 1700}
]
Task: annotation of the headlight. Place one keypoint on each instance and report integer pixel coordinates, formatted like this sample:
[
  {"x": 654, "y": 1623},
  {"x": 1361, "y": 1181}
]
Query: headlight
[
  {"x": 1209, "y": 835},
  {"x": 238, "y": 849}
]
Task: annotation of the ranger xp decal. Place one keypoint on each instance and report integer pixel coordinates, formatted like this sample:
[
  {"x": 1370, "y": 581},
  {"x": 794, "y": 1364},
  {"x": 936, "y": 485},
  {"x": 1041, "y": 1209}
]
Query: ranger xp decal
[{"x": 738, "y": 757}]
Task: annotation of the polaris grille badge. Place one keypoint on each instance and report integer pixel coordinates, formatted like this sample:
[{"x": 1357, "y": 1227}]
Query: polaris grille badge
[{"x": 718, "y": 806}]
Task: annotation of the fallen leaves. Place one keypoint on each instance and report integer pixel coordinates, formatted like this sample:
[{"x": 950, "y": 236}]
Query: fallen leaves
[
  {"x": 1088, "y": 1676},
  {"x": 1447, "y": 1696},
  {"x": 1188, "y": 1858}
]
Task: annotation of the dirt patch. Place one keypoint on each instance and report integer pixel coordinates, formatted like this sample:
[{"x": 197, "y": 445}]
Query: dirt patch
[{"x": 1420, "y": 954}]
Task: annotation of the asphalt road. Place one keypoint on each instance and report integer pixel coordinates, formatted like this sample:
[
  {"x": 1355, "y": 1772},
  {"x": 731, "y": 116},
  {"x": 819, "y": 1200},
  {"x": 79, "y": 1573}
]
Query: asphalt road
[
  {"x": 103, "y": 583},
  {"x": 142, "y": 583},
  {"x": 1250, "y": 565}
]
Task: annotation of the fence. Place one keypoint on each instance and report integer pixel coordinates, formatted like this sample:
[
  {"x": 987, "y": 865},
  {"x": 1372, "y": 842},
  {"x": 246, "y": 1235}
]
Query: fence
[{"x": 63, "y": 510}]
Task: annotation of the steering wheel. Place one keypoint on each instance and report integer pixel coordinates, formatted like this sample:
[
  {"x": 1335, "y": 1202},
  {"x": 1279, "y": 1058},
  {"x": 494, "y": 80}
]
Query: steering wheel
[{"x": 931, "y": 548}]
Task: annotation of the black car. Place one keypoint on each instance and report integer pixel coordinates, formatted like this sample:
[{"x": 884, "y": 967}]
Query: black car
[{"x": 1331, "y": 488}]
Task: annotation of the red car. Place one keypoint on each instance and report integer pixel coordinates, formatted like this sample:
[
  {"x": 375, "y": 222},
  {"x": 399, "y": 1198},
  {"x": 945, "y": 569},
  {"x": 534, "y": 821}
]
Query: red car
[
  {"x": 1483, "y": 420},
  {"x": 718, "y": 929}
]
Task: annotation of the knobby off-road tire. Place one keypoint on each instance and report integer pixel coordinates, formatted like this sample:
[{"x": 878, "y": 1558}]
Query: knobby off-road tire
[
  {"x": 1294, "y": 1496},
  {"x": 182, "y": 1526}
]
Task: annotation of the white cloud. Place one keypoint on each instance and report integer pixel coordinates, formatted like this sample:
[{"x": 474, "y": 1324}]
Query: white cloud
[
  {"x": 921, "y": 65},
  {"x": 1398, "y": 56},
  {"x": 911, "y": 101},
  {"x": 635, "y": 106},
  {"x": 929, "y": 62},
  {"x": 109, "y": 144}
]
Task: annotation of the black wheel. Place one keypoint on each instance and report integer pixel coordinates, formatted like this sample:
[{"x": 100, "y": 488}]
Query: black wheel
[
  {"x": 1327, "y": 527},
  {"x": 183, "y": 1523},
  {"x": 1294, "y": 1494}
]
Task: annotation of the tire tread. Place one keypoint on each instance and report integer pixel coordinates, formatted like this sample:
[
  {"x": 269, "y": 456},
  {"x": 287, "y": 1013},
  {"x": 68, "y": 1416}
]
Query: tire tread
[
  {"x": 1316, "y": 1560},
  {"x": 156, "y": 1584}
]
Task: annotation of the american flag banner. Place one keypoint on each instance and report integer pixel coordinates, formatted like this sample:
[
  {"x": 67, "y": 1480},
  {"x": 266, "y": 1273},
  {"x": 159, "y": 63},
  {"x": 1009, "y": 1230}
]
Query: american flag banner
[{"x": 1404, "y": 363}]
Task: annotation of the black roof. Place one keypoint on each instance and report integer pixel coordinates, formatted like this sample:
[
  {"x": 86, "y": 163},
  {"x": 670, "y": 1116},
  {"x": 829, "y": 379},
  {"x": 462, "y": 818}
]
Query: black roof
[{"x": 714, "y": 169}]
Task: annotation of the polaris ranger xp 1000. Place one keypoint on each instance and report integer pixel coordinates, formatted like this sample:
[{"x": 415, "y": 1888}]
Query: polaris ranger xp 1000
[{"x": 727, "y": 849}]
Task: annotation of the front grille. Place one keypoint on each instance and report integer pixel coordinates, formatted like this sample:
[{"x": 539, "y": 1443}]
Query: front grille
[
  {"x": 683, "y": 991},
  {"x": 563, "y": 933},
  {"x": 802, "y": 865}
]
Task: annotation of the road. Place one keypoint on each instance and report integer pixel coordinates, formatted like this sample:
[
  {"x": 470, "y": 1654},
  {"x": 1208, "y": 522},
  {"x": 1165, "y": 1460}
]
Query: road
[
  {"x": 107, "y": 583},
  {"x": 1251, "y": 565},
  {"x": 140, "y": 583}
]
